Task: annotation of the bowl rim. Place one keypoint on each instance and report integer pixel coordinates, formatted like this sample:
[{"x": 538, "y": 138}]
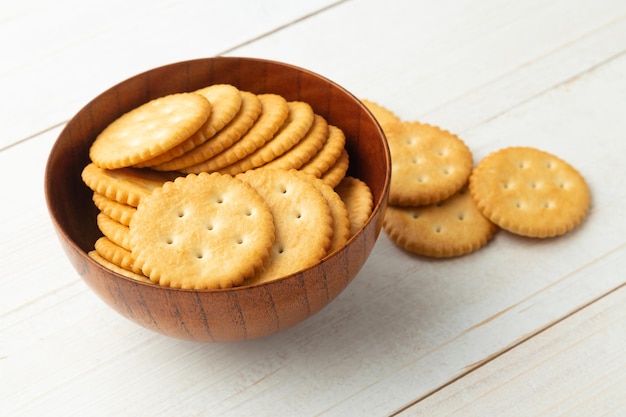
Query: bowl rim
[{"x": 377, "y": 210}]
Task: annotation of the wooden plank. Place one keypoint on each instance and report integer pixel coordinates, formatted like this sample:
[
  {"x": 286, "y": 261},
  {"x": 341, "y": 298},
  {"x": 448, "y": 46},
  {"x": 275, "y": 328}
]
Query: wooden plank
[
  {"x": 456, "y": 64},
  {"x": 57, "y": 56},
  {"x": 407, "y": 326},
  {"x": 576, "y": 367}
]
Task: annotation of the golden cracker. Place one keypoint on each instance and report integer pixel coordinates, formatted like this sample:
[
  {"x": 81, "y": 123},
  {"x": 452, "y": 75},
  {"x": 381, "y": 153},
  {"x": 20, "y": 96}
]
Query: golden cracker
[
  {"x": 338, "y": 211},
  {"x": 204, "y": 231},
  {"x": 302, "y": 218},
  {"x": 274, "y": 114},
  {"x": 428, "y": 164},
  {"x": 449, "y": 228},
  {"x": 530, "y": 192},
  {"x": 114, "y": 230},
  {"x": 304, "y": 150},
  {"x": 121, "y": 213},
  {"x": 116, "y": 254},
  {"x": 93, "y": 254},
  {"x": 385, "y": 117},
  {"x": 248, "y": 113},
  {"x": 328, "y": 155},
  {"x": 338, "y": 171},
  {"x": 149, "y": 130},
  {"x": 124, "y": 185},
  {"x": 298, "y": 123},
  {"x": 225, "y": 102},
  {"x": 358, "y": 199}
]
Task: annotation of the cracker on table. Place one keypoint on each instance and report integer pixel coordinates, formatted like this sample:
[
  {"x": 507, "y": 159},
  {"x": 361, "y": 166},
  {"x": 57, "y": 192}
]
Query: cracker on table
[
  {"x": 225, "y": 102},
  {"x": 149, "y": 130},
  {"x": 530, "y": 192},
  {"x": 338, "y": 170},
  {"x": 124, "y": 185},
  {"x": 248, "y": 113},
  {"x": 121, "y": 213},
  {"x": 428, "y": 164},
  {"x": 304, "y": 150},
  {"x": 297, "y": 124},
  {"x": 328, "y": 155},
  {"x": 449, "y": 228},
  {"x": 274, "y": 113},
  {"x": 114, "y": 230},
  {"x": 385, "y": 117},
  {"x": 204, "y": 231},
  {"x": 302, "y": 218},
  {"x": 358, "y": 199}
]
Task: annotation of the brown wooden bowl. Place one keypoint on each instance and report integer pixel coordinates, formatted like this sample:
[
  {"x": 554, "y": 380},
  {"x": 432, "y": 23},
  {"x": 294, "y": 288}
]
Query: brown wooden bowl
[{"x": 239, "y": 313}]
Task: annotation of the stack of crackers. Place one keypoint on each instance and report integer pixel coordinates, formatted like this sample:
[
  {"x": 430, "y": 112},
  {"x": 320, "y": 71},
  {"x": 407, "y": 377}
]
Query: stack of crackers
[
  {"x": 221, "y": 187},
  {"x": 441, "y": 205}
]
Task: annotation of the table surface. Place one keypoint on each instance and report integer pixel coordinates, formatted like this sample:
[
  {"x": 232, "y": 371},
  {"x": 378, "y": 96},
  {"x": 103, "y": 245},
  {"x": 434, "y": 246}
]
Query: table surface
[{"x": 521, "y": 327}]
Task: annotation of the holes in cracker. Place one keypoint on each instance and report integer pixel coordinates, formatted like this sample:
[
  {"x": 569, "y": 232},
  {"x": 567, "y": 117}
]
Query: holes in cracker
[
  {"x": 169, "y": 240},
  {"x": 180, "y": 213},
  {"x": 460, "y": 216},
  {"x": 437, "y": 229},
  {"x": 415, "y": 215},
  {"x": 239, "y": 241}
]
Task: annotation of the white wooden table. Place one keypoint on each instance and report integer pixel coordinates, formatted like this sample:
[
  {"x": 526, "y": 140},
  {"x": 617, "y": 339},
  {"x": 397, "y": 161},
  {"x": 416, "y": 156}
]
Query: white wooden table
[{"x": 521, "y": 327}]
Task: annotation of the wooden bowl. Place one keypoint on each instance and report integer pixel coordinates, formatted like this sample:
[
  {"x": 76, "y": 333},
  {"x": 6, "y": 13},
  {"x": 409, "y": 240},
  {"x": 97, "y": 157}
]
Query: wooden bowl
[{"x": 239, "y": 313}]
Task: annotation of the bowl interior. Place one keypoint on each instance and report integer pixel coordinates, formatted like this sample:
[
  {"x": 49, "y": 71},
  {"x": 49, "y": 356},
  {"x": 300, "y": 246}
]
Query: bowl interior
[{"x": 74, "y": 214}]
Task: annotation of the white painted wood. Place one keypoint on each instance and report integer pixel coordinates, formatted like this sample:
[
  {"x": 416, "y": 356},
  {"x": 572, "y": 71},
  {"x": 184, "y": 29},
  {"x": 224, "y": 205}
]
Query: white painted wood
[
  {"x": 58, "y": 55},
  {"x": 575, "y": 368},
  {"x": 545, "y": 74}
]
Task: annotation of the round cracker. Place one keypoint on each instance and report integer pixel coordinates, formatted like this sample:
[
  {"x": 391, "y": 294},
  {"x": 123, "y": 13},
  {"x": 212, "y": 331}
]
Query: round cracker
[
  {"x": 93, "y": 254},
  {"x": 124, "y": 185},
  {"x": 530, "y": 192},
  {"x": 114, "y": 230},
  {"x": 328, "y": 155},
  {"x": 202, "y": 231},
  {"x": 428, "y": 164},
  {"x": 274, "y": 114},
  {"x": 358, "y": 199},
  {"x": 116, "y": 254},
  {"x": 304, "y": 150},
  {"x": 385, "y": 117},
  {"x": 338, "y": 171},
  {"x": 338, "y": 212},
  {"x": 298, "y": 123},
  {"x": 121, "y": 213},
  {"x": 248, "y": 113},
  {"x": 302, "y": 218},
  {"x": 225, "y": 102},
  {"x": 149, "y": 130},
  {"x": 452, "y": 227}
]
